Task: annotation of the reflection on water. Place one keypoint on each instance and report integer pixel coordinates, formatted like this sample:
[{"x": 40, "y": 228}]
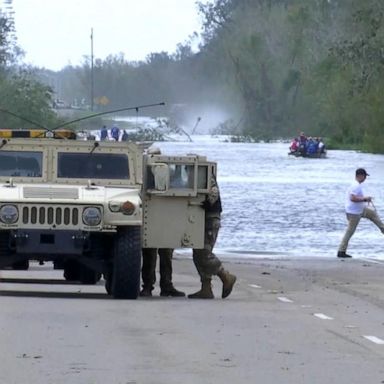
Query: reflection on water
[{"x": 275, "y": 203}]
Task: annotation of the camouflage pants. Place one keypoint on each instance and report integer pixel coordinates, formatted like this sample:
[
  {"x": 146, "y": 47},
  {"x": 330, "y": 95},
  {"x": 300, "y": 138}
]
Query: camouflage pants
[
  {"x": 148, "y": 270},
  {"x": 206, "y": 262}
]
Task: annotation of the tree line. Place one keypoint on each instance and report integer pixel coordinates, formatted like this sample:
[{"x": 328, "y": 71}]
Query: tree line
[{"x": 269, "y": 68}]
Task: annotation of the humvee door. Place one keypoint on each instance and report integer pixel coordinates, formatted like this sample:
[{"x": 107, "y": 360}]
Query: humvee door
[{"x": 173, "y": 189}]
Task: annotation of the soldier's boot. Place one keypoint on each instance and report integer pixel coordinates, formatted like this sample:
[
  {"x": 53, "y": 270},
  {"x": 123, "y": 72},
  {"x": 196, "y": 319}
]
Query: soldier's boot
[
  {"x": 171, "y": 291},
  {"x": 146, "y": 291},
  {"x": 205, "y": 291},
  {"x": 228, "y": 282},
  {"x": 166, "y": 285}
]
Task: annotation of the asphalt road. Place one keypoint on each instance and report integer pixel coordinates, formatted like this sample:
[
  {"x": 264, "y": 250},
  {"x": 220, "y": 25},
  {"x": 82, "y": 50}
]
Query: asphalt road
[{"x": 287, "y": 321}]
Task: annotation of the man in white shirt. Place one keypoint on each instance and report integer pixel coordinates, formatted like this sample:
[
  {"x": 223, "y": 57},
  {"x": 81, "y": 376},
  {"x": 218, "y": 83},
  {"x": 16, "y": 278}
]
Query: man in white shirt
[{"x": 355, "y": 209}]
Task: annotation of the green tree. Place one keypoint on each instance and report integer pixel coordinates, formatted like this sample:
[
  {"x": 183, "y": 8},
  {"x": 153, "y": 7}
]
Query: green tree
[{"x": 21, "y": 94}]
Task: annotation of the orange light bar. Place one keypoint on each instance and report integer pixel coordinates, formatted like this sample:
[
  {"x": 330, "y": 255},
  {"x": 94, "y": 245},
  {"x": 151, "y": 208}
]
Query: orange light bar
[{"x": 37, "y": 133}]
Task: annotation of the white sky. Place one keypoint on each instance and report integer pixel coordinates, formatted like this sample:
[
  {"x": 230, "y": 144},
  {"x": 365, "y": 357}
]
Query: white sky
[{"x": 55, "y": 33}]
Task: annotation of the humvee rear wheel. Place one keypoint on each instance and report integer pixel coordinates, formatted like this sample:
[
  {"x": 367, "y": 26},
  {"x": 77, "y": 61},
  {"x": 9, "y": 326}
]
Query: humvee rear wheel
[{"x": 125, "y": 279}]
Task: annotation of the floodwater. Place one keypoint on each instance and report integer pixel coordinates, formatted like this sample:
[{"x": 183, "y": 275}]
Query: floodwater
[{"x": 277, "y": 205}]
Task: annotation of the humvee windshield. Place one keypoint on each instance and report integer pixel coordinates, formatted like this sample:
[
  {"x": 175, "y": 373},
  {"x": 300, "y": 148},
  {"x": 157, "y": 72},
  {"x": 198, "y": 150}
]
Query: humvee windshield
[
  {"x": 22, "y": 164},
  {"x": 92, "y": 166}
]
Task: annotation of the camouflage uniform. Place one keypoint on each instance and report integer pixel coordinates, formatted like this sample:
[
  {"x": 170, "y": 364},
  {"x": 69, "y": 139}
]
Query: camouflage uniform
[
  {"x": 206, "y": 262},
  {"x": 148, "y": 272}
]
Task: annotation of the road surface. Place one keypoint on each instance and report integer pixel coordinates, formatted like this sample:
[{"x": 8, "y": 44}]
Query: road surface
[{"x": 287, "y": 321}]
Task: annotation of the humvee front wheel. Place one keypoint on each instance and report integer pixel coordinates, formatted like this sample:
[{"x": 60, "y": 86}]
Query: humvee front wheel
[{"x": 125, "y": 279}]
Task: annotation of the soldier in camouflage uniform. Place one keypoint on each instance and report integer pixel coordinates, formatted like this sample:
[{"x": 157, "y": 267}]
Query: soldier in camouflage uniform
[
  {"x": 148, "y": 272},
  {"x": 206, "y": 262}
]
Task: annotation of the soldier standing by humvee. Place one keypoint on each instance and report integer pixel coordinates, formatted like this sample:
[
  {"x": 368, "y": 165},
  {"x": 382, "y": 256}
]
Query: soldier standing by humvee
[
  {"x": 206, "y": 262},
  {"x": 148, "y": 272}
]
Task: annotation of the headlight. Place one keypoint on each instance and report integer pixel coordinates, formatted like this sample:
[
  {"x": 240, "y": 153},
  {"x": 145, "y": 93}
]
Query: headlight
[
  {"x": 114, "y": 206},
  {"x": 92, "y": 216},
  {"x": 126, "y": 207},
  {"x": 9, "y": 214}
]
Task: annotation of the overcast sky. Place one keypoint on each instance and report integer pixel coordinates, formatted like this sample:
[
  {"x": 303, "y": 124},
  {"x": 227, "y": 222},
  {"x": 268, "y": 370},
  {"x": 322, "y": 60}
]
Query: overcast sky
[{"x": 55, "y": 33}]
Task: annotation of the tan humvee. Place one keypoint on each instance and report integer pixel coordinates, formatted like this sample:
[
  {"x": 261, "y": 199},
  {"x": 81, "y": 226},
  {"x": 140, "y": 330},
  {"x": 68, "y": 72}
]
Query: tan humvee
[{"x": 91, "y": 206}]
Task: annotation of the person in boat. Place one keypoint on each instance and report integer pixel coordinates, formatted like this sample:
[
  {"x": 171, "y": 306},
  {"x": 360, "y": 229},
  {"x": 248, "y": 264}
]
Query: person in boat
[
  {"x": 311, "y": 147},
  {"x": 294, "y": 145},
  {"x": 303, "y": 142},
  {"x": 321, "y": 146}
]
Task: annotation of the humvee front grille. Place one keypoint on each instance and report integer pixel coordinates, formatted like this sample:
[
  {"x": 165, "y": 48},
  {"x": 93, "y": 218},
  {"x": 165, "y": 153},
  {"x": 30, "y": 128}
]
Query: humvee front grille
[
  {"x": 50, "y": 215},
  {"x": 50, "y": 193}
]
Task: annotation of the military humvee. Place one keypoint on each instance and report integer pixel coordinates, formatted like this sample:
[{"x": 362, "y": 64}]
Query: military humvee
[{"x": 90, "y": 206}]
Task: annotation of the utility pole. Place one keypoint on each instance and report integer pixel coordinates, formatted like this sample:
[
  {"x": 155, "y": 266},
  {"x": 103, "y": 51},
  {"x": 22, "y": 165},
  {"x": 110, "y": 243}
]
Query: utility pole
[{"x": 92, "y": 69}]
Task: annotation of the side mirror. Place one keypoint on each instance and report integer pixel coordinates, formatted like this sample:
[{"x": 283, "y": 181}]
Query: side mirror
[{"x": 161, "y": 176}]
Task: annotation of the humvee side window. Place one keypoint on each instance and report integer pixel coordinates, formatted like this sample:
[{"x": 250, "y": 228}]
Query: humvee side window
[
  {"x": 157, "y": 177},
  {"x": 21, "y": 164},
  {"x": 181, "y": 176},
  {"x": 202, "y": 177},
  {"x": 92, "y": 165},
  {"x": 150, "y": 179}
]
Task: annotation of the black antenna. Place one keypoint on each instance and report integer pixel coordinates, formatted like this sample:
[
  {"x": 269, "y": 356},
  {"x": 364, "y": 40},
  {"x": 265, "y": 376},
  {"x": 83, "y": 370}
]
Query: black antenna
[
  {"x": 23, "y": 118},
  {"x": 95, "y": 145},
  {"x": 82, "y": 118}
]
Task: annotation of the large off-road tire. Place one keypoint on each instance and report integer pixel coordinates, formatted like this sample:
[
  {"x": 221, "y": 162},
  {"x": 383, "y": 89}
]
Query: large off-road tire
[{"x": 125, "y": 277}]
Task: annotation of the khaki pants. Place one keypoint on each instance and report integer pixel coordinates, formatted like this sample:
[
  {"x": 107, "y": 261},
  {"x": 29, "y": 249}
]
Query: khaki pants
[{"x": 353, "y": 221}]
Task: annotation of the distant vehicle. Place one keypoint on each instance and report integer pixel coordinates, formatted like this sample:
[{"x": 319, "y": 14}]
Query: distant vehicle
[
  {"x": 90, "y": 206},
  {"x": 59, "y": 104}
]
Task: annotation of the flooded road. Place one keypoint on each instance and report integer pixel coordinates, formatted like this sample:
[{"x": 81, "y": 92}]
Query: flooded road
[{"x": 279, "y": 204}]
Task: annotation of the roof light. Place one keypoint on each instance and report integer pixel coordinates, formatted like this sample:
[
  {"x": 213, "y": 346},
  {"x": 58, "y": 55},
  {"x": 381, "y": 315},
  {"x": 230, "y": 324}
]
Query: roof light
[{"x": 37, "y": 133}]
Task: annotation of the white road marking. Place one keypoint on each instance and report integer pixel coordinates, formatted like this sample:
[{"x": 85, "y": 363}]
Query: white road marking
[
  {"x": 285, "y": 299},
  {"x": 254, "y": 286},
  {"x": 374, "y": 339},
  {"x": 322, "y": 316}
]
